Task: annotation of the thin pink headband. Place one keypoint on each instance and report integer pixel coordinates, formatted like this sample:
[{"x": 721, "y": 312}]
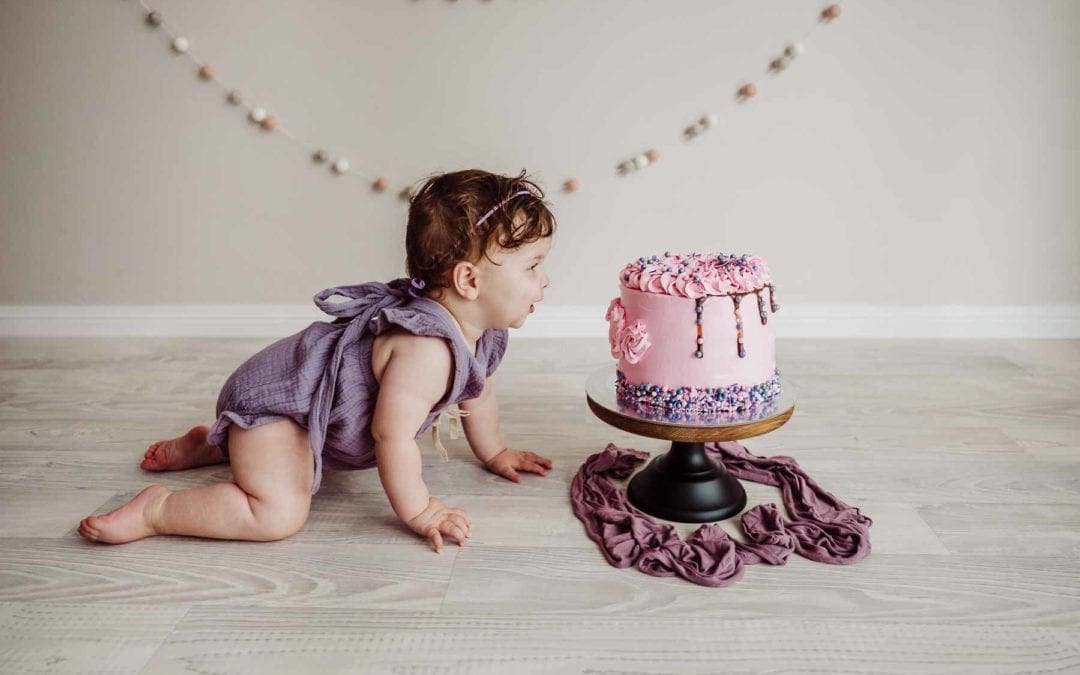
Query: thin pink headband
[{"x": 503, "y": 203}]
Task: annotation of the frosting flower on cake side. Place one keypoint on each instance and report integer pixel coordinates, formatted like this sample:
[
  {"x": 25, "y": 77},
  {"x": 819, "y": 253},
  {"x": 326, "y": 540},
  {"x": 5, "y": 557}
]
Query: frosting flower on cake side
[
  {"x": 634, "y": 341},
  {"x": 616, "y": 318},
  {"x": 627, "y": 342},
  {"x": 696, "y": 275}
]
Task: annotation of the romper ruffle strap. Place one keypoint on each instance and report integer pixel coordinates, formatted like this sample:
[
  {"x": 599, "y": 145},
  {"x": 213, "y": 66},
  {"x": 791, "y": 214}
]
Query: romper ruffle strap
[
  {"x": 365, "y": 301},
  {"x": 455, "y": 416}
]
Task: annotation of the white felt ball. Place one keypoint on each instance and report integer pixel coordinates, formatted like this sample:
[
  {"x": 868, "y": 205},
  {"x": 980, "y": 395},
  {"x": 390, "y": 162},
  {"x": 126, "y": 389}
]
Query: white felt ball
[
  {"x": 709, "y": 121},
  {"x": 257, "y": 115},
  {"x": 641, "y": 161},
  {"x": 180, "y": 44},
  {"x": 341, "y": 165},
  {"x": 794, "y": 49}
]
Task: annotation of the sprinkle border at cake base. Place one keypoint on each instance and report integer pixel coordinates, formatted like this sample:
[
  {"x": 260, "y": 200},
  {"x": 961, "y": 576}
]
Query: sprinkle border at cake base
[{"x": 734, "y": 398}]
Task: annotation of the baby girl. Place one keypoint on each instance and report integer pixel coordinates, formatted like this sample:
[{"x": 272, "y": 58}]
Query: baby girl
[{"x": 358, "y": 392}]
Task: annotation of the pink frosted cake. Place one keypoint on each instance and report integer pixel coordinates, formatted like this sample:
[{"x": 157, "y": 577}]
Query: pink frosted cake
[{"x": 686, "y": 336}]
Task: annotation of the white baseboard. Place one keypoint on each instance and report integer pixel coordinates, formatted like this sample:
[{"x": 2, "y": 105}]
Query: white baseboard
[{"x": 806, "y": 320}]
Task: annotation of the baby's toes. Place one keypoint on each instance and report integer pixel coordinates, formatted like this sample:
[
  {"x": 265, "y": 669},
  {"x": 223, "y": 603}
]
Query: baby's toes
[
  {"x": 154, "y": 458},
  {"x": 87, "y": 531}
]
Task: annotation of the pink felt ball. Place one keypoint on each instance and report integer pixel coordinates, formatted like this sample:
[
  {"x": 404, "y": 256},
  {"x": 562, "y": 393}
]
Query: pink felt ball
[
  {"x": 830, "y": 12},
  {"x": 748, "y": 90}
]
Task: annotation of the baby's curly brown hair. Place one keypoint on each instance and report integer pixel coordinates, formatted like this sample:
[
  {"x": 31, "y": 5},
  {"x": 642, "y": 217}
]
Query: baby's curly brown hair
[{"x": 442, "y": 231}]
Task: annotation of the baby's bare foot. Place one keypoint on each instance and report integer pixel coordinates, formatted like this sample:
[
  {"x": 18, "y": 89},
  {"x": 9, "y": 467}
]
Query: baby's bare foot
[
  {"x": 131, "y": 521},
  {"x": 183, "y": 452}
]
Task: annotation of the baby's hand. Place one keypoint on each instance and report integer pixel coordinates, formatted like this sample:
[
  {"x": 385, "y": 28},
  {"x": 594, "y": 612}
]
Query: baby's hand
[
  {"x": 439, "y": 519},
  {"x": 508, "y": 461}
]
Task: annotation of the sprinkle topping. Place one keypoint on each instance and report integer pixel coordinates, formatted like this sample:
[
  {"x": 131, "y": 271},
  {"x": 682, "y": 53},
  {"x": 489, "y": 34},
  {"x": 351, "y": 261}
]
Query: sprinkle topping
[{"x": 696, "y": 275}]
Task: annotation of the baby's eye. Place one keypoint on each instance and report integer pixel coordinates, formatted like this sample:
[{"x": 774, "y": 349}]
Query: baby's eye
[{"x": 535, "y": 266}]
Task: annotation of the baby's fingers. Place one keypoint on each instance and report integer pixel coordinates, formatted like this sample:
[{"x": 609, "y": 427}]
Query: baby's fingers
[
  {"x": 436, "y": 539},
  {"x": 461, "y": 522},
  {"x": 534, "y": 467},
  {"x": 530, "y": 456},
  {"x": 454, "y": 530},
  {"x": 459, "y": 512}
]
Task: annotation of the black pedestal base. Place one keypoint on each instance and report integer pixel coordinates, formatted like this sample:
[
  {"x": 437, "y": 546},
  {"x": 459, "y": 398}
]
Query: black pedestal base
[{"x": 686, "y": 486}]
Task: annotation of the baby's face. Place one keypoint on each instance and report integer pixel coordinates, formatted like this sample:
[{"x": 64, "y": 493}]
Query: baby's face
[{"x": 510, "y": 289}]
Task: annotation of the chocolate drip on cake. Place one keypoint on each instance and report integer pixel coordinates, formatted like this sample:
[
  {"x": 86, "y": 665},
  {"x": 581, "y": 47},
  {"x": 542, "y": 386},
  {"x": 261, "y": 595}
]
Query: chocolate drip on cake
[
  {"x": 772, "y": 299},
  {"x": 699, "y": 309},
  {"x": 761, "y": 308},
  {"x": 738, "y": 326}
]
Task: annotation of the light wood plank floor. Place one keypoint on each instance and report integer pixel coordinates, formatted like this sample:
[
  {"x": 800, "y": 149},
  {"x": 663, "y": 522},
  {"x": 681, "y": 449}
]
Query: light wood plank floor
[{"x": 965, "y": 453}]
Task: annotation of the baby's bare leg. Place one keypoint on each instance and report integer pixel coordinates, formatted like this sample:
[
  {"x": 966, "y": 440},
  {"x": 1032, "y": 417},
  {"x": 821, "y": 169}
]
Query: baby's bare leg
[
  {"x": 182, "y": 452},
  {"x": 273, "y": 469}
]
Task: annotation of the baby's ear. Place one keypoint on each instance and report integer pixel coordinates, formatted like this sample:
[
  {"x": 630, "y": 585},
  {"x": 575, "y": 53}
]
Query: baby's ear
[{"x": 465, "y": 280}]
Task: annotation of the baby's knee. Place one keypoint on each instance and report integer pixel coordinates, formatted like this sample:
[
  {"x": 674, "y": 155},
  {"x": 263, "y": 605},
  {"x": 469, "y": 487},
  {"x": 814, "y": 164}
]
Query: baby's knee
[{"x": 282, "y": 517}]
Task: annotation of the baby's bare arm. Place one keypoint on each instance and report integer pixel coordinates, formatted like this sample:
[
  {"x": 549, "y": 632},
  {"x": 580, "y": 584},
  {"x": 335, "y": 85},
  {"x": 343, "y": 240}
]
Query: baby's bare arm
[
  {"x": 482, "y": 424},
  {"x": 488, "y": 444},
  {"x": 413, "y": 382}
]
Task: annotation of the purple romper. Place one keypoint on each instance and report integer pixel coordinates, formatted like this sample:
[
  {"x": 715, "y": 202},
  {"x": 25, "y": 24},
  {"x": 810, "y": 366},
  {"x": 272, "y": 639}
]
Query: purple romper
[{"x": 321, "y": 377}]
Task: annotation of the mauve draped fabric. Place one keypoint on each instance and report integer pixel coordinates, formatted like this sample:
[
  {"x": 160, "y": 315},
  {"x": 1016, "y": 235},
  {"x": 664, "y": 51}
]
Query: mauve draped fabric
[
  {"x": 822, "y": 527},
  {"x": 322, "y": 379}
]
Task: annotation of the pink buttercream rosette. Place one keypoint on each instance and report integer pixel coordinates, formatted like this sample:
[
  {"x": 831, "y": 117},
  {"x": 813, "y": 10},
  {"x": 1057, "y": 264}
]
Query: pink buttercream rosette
[
  {"x": 627, "y": 342},
  {"x": 696, "y": 275},
  {"x": 634, "y": 341},
  {"x": 616, "y": 318}
]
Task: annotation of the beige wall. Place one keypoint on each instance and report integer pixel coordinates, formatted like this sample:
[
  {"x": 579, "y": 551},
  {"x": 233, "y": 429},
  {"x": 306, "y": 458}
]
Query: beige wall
[{"x": 920, "y": 152}]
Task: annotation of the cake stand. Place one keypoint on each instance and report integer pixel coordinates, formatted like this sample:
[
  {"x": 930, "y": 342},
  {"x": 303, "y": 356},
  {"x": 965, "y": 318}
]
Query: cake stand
[{"x": 685, "y": 484}]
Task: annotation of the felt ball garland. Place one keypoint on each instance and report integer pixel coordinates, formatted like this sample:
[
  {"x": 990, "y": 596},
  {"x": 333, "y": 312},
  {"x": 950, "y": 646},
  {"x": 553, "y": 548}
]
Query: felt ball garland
[
  {"x": 703, "y": 124},
  {"x": 748, "y": 90},
  {"x": 269, "y": 122},
  {"x": 257, "y": 114}
]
